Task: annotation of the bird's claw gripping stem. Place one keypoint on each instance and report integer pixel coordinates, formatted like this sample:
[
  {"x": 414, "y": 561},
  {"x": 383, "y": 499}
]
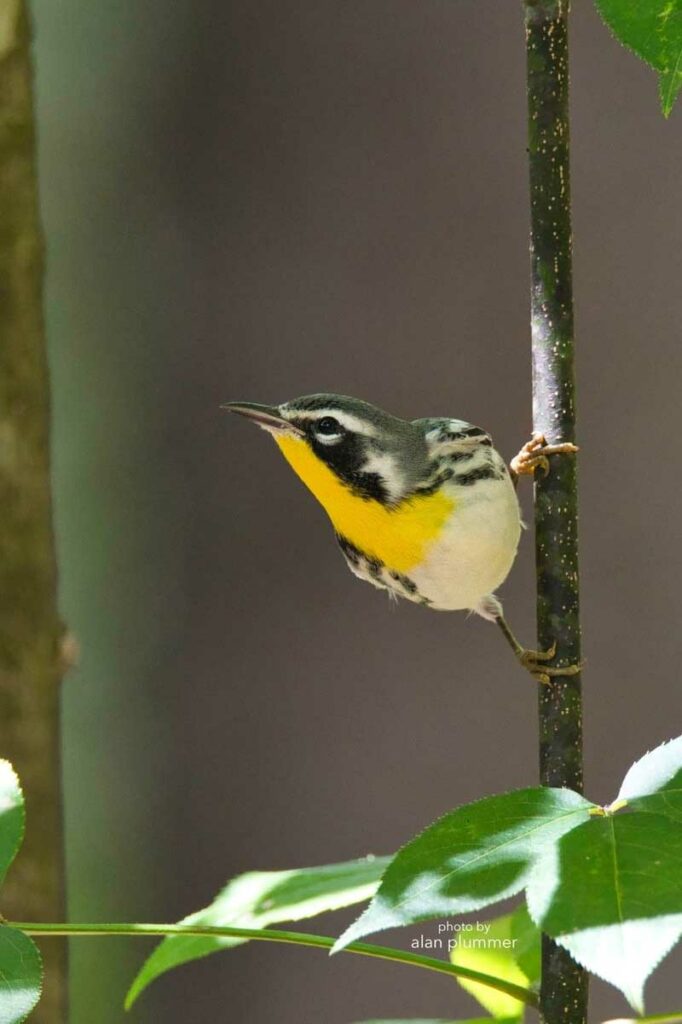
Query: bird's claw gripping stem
[
  {"x": 545, "y": 673},
  {"x": 534, "y": 455},
  {"x": 533, "y": 661}
]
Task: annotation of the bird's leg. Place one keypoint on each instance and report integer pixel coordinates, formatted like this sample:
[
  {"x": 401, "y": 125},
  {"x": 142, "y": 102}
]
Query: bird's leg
[
  {"x": 534, "y": 455},
  {"x": 534, "y": 661}
]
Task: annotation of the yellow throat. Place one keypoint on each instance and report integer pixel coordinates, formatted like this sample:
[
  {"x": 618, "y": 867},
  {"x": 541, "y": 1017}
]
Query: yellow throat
[{"x": 398, "y": 537}]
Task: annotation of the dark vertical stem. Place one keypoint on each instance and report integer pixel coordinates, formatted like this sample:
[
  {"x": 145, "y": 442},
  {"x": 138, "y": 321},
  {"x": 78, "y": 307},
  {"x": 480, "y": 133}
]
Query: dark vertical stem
[
  {"x": 31, "y": 636},
  {"x": 564, "y": 984}
]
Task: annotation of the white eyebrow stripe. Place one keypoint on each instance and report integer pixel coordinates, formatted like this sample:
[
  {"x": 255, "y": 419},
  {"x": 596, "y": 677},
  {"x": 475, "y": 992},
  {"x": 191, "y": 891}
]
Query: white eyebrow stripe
[{"x": 347, "y": 420}]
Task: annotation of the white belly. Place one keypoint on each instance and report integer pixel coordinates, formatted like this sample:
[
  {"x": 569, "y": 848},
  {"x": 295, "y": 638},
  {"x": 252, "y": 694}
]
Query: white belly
[
  {"x": 469, "y": 560},
  {"x": 475, "y": 552}
]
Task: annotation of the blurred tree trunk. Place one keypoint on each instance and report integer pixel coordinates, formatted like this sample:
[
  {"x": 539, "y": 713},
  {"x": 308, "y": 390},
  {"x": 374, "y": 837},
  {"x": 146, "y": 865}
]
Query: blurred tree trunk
[{"x": 31, "y": 635}]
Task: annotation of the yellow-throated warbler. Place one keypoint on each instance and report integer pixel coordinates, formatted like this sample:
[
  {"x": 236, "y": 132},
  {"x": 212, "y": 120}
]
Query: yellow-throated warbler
[{"x": 426, "y": 509}]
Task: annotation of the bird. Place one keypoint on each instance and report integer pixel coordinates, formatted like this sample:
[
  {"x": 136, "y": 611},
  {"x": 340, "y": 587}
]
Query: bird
[{"x": 425, "y": 509}]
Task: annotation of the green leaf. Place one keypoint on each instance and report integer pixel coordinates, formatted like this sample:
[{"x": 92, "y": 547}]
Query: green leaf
[
  {"x": 477, "y": 855},
  {"x": 669, "y": 85},
  {"x": 527, "y": 949},
  {"x": 610, "y": 892},
  {"x": 654, "y": 783},
  {"x": 259, "y": 898},
  {"x": 499, "y": 951},
  {"x": 21, "y": 975},
  {"x": 404, "y": 1020},
  {"x": 11, "y": 816},
  {"x": 653, "y": 29}
]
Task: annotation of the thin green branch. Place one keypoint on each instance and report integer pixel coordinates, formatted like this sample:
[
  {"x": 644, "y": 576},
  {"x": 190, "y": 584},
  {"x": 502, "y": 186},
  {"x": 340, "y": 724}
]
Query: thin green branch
[
  {"x": 564, "y": 985},
  {"x": 272, "y": 935}
]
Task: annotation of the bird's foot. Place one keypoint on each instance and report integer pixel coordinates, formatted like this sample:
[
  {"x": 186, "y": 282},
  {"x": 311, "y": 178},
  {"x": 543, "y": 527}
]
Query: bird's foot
[
  {"x": 534, "y": 455},
  {"x": 534, "y": 662}
]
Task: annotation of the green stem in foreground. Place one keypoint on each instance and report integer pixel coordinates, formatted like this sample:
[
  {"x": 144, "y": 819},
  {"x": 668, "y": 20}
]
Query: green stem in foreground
[
  {"x": 563, "y": 997},
  {"x": 271, "y": 935}
]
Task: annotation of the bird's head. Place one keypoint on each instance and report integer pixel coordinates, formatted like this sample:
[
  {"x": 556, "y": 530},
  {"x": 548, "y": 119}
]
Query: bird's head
[
  {"x": 332, "y": 442},
  {"x": 371, "y": 454}
]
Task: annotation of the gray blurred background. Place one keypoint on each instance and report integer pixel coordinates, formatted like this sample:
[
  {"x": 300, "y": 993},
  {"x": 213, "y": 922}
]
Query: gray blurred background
[{"x": 259, "y": 200}]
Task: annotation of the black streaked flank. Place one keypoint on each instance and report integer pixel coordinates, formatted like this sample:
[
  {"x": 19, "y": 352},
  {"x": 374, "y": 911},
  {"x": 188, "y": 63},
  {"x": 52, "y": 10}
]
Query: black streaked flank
[
  {"x": 365, "y": 565},
  {"x": 353, "y": 554},
  {"x": 374, "y": 567},
  {"x": 461, "y": 456},
  {"x": 373, "y": 570},
  {"x": 430, "y": 488},
  {"x": 405, "y": 582},
  {"x": 359, "y": 558},
  {"x": 488, "y": 472}
]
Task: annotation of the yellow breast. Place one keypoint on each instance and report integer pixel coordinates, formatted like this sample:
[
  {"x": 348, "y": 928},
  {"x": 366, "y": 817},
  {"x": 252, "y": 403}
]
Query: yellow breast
[{"x": 398, "y": 537}]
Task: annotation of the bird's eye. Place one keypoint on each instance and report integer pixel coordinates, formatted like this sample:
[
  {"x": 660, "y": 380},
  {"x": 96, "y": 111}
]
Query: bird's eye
[{"x": 328, "y": 426}]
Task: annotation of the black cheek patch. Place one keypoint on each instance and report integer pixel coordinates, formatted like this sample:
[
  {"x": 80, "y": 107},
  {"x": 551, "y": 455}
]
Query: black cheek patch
[
  {"x": 368, "y": 486},
  {"x": 346, "y": 458}
]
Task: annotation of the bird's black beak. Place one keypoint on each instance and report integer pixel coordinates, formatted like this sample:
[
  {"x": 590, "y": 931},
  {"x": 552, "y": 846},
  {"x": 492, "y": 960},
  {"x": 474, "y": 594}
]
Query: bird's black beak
[{"x": 266, "y": 416}]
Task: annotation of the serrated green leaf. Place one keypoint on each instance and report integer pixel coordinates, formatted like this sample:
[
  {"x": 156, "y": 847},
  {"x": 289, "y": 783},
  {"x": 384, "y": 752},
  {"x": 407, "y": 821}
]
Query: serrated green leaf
[
  {"x": 610, "y": 892},
  {"x": 654, "y": 783},
  {"x": 259, "y": 898},
  {"x": 21, "y": 975},
  {"x": 528, "y": 948},
  {"x": 477, "y": 855},
  {"x": 499, "y": 952},
  {"x": 11, "y": 816},
  {"x": 654, "y": 31}
]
